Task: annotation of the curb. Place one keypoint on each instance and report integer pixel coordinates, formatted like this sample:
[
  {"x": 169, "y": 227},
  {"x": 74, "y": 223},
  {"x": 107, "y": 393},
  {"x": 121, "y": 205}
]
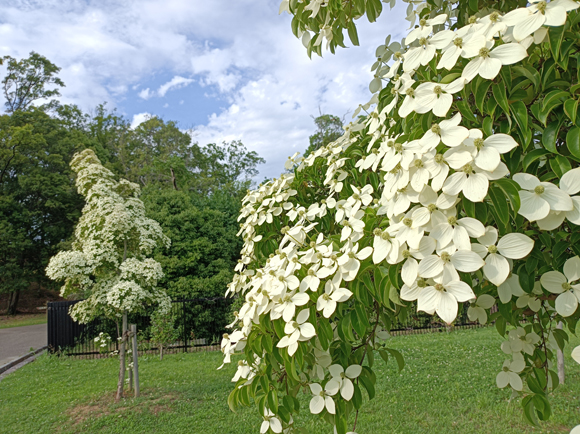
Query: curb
[{"x": 20, "y": 359}]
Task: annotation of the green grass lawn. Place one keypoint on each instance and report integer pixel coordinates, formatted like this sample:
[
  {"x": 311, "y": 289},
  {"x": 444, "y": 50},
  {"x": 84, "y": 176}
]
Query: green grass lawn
[
  {"x": 447, "y": 386},
  {"x": 8, "y": 321}
]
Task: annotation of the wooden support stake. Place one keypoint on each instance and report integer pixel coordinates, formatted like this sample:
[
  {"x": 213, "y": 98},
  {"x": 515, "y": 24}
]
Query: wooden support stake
[{"x": 135, "y": 359}]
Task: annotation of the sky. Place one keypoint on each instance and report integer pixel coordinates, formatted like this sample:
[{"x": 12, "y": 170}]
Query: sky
[{"x": 226, "y": 69}]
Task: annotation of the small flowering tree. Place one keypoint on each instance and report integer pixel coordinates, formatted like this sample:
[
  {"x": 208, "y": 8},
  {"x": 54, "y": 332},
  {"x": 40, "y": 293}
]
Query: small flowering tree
[
  {"x": 459, "y": 184},
  {"x": 108, "y": 264}
]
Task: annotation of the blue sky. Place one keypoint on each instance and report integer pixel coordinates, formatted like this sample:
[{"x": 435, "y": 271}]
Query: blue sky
[{"x": 227, "y": 69}]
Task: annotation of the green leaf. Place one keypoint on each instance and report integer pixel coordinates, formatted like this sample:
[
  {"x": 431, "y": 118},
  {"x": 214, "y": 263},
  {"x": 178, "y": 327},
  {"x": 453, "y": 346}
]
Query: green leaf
[
  {"x": 273, "y": 400},
  {"x": 369, "y": 386},
  {"x": 469, "y": 207},
  {"x": 520, "y": 112},
  {"x": 352, "y": 33},
  {"x": 398, "y": 356},
  {"x": 531, "y": 74},
  {"x": 501, "y": 97},
  {"x": 573, "y": 141},
  {"x": 488, "y": 126},
  {"x": 465, "y": 111},
  {"x": 571, "y": 109},
  {"x": 560, "y": 165},
  {"x": 481, "y": 95},
  {"x": 550, "y": 136},
  {"x": 511, "y": 189},
  {"x": 555, "y": 36},
  {"x": 533, "y": 156},
  {"x": 500, "y": 205}
]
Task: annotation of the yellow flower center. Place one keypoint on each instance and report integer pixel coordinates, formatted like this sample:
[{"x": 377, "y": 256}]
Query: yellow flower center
[{"x": 539, "y": 189}]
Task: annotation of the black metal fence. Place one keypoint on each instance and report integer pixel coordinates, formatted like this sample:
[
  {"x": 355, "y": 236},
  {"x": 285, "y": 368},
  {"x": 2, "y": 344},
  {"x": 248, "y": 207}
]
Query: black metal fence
[{"x": 199, "y": 324}]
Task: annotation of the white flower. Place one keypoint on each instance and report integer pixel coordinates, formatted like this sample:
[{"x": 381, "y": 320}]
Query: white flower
[
  {"x": 298, "y": 330},
  {"x": 487, "y": 155},
  {"x": 289, "y": 303},
  {"x": 509, "y": 374},
  {"x": 341, "y": 379},
  {"x": 513, "y": 246},
  {"x": 323, "y": 398},
  {"x": 426, "y": 50},
  {"x": 349, "y": 262},
  {"x": 538, "y": 198},
  {"x": 488, "y": 63},
  {"x": 457, "y": 231},
  {"x": 527, "y": 21},
  {"x": 436, "y": 96},
  {"x": 425, "y": 28},
  {"x": 464, "y": 45},
  {"x": 511, "y": 287},
  {"x": 270, "y": 422},
  {"x": 443, "y": 267},
  {"x": 477, "y": 310},
  {"x": 558, "y": 283},
  {"x": 443, "y": 297},
  {"x": 327, "y": 301},
  {"x": 448, "y": 131},
  {"x": 519, "y": 341},
  {"x": 468, "y": 181}
]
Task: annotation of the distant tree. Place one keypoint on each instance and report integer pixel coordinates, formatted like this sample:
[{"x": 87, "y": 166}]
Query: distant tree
[
  {"x": 329, "y": 128},
  {"x": 39, "y": 204},
  {"x": 27, "y": 80}
]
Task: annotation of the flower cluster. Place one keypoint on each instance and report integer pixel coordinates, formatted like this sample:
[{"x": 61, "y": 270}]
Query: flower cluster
[
  {"x": 107, "y": 264},
  {"x": 396, "y": 210}
]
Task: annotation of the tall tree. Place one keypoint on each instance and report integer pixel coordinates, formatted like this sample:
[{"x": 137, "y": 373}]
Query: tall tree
[
  {"x": 38, "y": 202},
  {"x": 27, "y": 80},
  {"x": 328, "y": 129},
  {"x": 108, "y": 264}
]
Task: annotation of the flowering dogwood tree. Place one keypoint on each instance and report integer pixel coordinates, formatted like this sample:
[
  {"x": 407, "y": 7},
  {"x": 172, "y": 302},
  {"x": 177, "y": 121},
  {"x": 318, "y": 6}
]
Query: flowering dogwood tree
[
  {"x": 108, "y": 264},
  {"x": 457, "y": 182}
]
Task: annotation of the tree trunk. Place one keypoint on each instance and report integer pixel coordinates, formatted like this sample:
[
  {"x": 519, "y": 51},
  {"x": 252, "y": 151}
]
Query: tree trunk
[
  {"x": 560, "y": 357},
  {"x": 121, "y": 382},
  {"x": 13, "y": 302},
  {"x": 173, "y": 179},
  {"x": 160, "y": 352}
]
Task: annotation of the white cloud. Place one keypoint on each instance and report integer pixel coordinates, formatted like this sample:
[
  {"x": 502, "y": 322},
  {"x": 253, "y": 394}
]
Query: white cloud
[
  {"x": 139, "y": 118},
  {"x": 145, "y": 94},
  {"x": 175, "y": 83},
  {"x": 242, "y": 52}
]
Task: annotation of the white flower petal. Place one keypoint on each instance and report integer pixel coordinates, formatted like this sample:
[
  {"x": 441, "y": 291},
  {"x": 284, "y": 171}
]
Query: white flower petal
[
  {"x": 488, "y": 159},
  {"x": 570, "y": 181},
  {"x": 496, "y": 268},
  {"x": 526, "y": 181},
  {"x": 515, "y": 245},
  {"x": 316, "y": 404},
  {"x": 566, "y": 303},
  {"x": 430, "y": 266},
  {"x": 475, "y": 188},
  {"x": 553, "y": 281},
  {"x": 460, "y": 290},
  {"x": 576, "y": 354},
  {"x": 353, "y": 371},
  {"x": 409, "y": 271},
  {"x": 466, "y": 261},
  {"x": 572, "y": 269},
  {"x": 490, "y": 68},
  {"x": 447, "y": 308},
  {"x": 533, "y": 207}
]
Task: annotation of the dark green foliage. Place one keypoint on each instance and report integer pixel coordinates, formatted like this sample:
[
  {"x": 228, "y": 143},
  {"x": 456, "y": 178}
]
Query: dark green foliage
[
  {"x": 329, "y": 128},
  {"x": 204, "y": 247},
  {"x": 26, "y": 81},
  {"x": 39, "y": 205}
]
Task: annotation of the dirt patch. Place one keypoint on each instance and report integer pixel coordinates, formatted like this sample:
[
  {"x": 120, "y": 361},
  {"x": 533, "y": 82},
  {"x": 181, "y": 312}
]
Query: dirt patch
[{"x": 151, "y": 401}]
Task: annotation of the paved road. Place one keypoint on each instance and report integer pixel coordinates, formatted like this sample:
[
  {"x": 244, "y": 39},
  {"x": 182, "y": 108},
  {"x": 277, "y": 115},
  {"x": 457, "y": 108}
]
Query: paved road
[{"x": 17, "y": 341}]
